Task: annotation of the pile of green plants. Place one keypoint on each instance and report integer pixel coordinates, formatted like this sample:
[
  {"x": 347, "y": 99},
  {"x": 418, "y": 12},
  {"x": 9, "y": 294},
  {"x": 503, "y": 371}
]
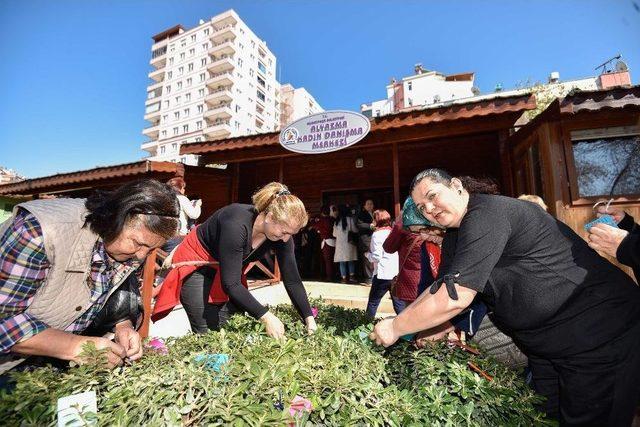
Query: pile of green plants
[{"x": 347, "y": 379}]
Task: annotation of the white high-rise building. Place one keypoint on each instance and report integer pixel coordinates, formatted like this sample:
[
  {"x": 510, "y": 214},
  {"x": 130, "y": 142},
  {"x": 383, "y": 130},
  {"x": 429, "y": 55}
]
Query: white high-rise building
[
  {"x": 214, "y": 81},
  {"x": 296, "y": 104}
]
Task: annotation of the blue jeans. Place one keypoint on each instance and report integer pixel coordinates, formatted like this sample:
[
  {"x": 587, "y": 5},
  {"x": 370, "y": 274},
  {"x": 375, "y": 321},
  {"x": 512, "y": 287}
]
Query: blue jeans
[
  {"x": 380, "y": 287},
  {"x": 347, "y": 265}
]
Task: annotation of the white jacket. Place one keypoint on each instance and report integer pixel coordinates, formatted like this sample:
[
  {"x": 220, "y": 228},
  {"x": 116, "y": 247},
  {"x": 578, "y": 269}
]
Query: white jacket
[
  {"x": 187, "y": 210},
  {"x": 385, "y": 265}
]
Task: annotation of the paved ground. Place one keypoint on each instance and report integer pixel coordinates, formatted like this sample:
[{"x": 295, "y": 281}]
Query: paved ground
[{"x": 353, "y": 296}]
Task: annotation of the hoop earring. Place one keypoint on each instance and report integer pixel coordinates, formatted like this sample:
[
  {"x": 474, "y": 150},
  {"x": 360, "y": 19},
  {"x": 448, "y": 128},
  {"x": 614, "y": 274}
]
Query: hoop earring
[{"x": 459, "y": 191}]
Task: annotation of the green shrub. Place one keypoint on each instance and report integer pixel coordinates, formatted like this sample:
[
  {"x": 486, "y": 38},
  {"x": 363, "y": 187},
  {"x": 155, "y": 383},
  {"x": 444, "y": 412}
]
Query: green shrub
[{"x": 348, "y": 380}]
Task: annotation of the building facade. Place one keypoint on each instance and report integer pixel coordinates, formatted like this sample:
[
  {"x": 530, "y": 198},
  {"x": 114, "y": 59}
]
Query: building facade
[
  {"x": 296, "y": 104},
  {"x": 214, "y": 81}
]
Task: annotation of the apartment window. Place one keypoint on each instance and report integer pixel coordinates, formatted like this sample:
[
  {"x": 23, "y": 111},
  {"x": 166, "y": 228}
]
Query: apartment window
[
  {"x": 198, "y": 139},
  {"x": 200, "y": 109},
  {"x": 253, "y": 44},
  {"x": 202, "y": 76},
  {"x": 261, "y": 81},
  {"x": 206, "y": 31},
  {"x": 165, "y": 118},
  {"x": 186, "y": 112},
  {"x": 237, "y": 108},
  {"x": 179, "y": 85},
  {"x": 175, "y": 130},
  {"x": 182, "y": 56},
  {"x": 189, "y": 81},
  {"x": 167, "y": 89},
  {"x": 185, "y": 128},
  {"x": 164, "y": 133},
  {"x": 176, "y": 115},
  {"x": 162, "y": 149},
  {"x": 201, "y": 93},
  {"x": 193, "y": 37},
  {"x": 237, "y": 125},
  {"x": 166, "y": 104},
  {"x": 205, "y": 46},
  {"x": 171, "y": 60},
  {"x": 180, "y": 70},
  {"x": 187, "y": 97},
  {"x": 190, "y": 67},
  {"x": 262, "y": 68},
  {"x": 410, "y": 85},
  {"x": 183, "y": 159},
  {"x": 240, "y": 62},
  {"x": 172, "y": 47},
  {"x": 183, "y": 42},
  {"x": 251, "y": 73},
  {"x": 199, "y": 124},
  {"x": 241, "y": 45},
  {"x": 192, "y": 52},
  {"x": 174, "y": 146},
  {"x": 270, "y": 62},
  {"x": 169, "y": 75},
  {"x": 203, "y": 62},
  {"x": 260, "y": 95}
]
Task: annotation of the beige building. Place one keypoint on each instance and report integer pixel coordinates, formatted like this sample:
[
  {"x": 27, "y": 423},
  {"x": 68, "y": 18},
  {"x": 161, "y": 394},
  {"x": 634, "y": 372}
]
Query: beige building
[{"x": 296, "y": 104}]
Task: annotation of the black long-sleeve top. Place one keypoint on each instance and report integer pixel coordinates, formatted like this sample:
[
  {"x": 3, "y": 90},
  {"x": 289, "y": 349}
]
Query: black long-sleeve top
[
  {"x": 226, "y": 235},
  {"x": 628, "y": 252}
]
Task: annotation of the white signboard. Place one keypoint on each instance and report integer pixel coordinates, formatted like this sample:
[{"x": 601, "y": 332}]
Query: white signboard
[{"x": 325, "y": 132}]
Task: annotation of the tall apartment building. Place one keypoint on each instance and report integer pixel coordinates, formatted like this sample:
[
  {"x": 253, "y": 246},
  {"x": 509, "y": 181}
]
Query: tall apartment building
[
  {"x": 296, "y": 104},
  {"x": 214, "y": 81}
]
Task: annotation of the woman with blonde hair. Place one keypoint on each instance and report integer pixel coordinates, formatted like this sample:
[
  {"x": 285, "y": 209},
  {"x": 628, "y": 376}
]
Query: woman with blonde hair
[{"x": 225, "y": 244}]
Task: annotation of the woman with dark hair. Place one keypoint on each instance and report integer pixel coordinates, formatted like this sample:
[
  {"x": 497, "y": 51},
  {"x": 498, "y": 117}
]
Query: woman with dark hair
[
  {"x": 385, "y": 265},
  {"x": 64, "y": 259},
  {"x": 209, "y": 265},
  {"x": 323, "y": 225},
  {"x": 574, "y": 314},
  {"x": 346, "y": 253}
]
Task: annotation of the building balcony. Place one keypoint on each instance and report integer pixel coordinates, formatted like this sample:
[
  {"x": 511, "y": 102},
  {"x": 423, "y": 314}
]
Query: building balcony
[
  {"x": 223, "y": 32},
  {"x": 152, "y": 131},
  {"x": 154, "y": 86},
  {"x": 218, "y": 95},
  {"x": 217, "y": 129},
  {"x": 218, "y": 64},
  {"x": 222, "y": 78},
  {"x": 152, "y": 112},
  {"x": 226, "y": 47},
  {"x": 225, "y": 19},
  {"x": 149, "y": 146},
  {"x": 220, "y": 111},
  {"x": 157, "y": 75}
]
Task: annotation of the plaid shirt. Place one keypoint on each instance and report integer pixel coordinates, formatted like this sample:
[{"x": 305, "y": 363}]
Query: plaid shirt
[{"x": 23, "y": 269}]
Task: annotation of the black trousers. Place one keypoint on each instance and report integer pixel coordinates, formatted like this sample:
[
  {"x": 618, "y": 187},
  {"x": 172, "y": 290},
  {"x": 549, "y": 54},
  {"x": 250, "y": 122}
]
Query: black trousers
[
  {"x": 194, "y": 295},
  {"x": 600, "y": 387}
]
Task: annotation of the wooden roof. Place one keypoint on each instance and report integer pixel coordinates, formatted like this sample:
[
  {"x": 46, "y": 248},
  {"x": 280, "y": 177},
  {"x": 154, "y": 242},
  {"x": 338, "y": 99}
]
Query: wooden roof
[
  {"x": 91, "y": 176},
  {"x": 490, "y": 108},
  {"x": 168, "y": 33}
]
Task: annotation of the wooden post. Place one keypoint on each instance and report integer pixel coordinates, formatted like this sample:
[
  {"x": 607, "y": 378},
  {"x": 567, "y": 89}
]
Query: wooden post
[
  {"x": 505, "y": 163},
  {"x": 396, "y": 180},
  {"x": 235, "y": 181},
  {"x": 148, "y": 277}
]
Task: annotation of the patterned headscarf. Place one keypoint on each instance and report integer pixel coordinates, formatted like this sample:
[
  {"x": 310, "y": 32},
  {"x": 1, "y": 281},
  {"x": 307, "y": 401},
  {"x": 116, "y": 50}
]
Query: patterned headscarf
[{"x": 412, "y": 216}]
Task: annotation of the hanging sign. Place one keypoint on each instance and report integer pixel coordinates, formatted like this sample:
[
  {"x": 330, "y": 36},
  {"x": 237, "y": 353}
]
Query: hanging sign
[{"x": 325, "y": 132}]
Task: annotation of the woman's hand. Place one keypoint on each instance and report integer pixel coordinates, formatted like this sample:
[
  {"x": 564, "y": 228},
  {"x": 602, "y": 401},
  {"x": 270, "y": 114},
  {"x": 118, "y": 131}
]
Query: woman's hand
[
  {"x": 384, "y": 332},
  {"x": 616, "y": 213},
  {"x": 273, "y": 325},
  {"x": 604, "y": 238},
  {"x": 311, "y": 325},
  {"x": 115, "y": 352},
  {"x": 129, "y": 339}
]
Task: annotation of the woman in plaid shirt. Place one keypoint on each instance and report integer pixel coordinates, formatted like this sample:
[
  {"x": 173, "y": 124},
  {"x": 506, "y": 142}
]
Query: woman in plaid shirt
[{"x": 119, "y": 228}]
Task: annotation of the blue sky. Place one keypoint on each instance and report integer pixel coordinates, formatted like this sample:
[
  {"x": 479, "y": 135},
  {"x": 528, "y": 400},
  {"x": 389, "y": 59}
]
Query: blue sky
[{"x": 74, "y": 73}]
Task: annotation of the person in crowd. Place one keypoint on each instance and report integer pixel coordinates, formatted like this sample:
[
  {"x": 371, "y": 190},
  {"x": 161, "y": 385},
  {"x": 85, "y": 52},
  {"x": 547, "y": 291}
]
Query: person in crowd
[
  {"x": 385, "y": 265},
  {"x": 365, "y": 230},
  {"x": 207, "y": 277},
  {"x": 408, "y": 238},
  {"x": 189, "y": 210},
  {"x": 323, "y": 225},
  {"x": 62, "y": 259},
  {"x": 346, "y": 253},
  {"x": 574, "y": 314},
  {"x": 534, "y": 199},
  {"x": 622, "y": 243}
]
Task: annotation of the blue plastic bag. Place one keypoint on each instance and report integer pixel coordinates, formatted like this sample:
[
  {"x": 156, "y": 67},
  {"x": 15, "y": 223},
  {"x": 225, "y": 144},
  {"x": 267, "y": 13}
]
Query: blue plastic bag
[{"x": 604, "y": 219}]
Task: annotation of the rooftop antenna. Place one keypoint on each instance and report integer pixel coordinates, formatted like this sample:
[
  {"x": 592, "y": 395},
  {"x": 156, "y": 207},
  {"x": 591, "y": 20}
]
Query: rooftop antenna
[{"x": 605, "y": 65}]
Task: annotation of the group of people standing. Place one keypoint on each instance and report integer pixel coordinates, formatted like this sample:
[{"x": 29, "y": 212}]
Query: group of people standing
[{"x": 573, "y": 313}]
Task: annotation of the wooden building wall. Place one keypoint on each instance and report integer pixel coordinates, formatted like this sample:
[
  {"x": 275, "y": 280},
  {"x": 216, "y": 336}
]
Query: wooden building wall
[{"x": 543, "y": 164}]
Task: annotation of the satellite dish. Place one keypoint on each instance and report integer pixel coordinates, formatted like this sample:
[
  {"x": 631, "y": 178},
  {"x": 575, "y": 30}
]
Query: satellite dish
[{"x": 621, "y": 66}]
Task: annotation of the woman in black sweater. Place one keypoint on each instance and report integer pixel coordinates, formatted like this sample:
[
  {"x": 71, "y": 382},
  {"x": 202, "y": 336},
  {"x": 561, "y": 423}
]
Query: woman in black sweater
[
  {"x": 228, "y": 241},
  {"x": 576, "y": 315}
]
